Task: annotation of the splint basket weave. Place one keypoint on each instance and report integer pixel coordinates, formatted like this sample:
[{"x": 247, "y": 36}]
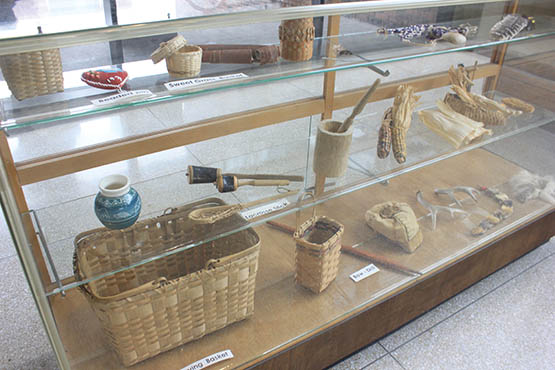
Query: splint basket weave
[
  {"x": 33, "y": 73},
  {"x": 317, "y": 252},
  {"x": 172, "y": 300}
]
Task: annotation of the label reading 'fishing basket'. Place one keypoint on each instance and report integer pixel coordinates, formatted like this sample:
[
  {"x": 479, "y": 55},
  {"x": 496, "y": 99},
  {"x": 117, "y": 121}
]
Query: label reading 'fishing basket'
[
  {"x": 210, "y": 360},
  {"x": 123, "y": 97},
  {"x": 364, "y": 273},
  {"x": 265, "y": 209},
  {"x": 185, "y": 84}
]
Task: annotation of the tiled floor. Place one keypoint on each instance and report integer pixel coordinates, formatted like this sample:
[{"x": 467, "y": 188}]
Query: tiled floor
[{"x": 503, "y": 322}]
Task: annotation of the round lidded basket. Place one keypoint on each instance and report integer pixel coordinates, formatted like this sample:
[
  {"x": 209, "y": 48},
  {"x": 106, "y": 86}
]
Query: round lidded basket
[
  {"x": 182, "y": 60},
  {"x": 33, "y": 73},
  {"x": 185, "y": 62}
]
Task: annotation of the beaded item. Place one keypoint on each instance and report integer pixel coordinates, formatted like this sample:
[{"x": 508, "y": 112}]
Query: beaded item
[
  {"x": 430, "y": 32},
  {"x": 107, "y": 79},
  {"x": 504, "y": 211},
  {"x": 510, "y": 26}
]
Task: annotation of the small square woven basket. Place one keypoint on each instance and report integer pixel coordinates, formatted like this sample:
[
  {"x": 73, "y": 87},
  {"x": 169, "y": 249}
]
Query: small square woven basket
[
  {"x": 173, "y": 300},
  {"x": 317, "y": 252}
]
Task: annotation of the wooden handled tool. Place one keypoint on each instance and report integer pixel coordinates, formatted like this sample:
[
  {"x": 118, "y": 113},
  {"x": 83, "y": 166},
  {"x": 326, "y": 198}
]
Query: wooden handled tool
[
  {"x": 205, "y": 175},
  {"x": 359, "y": 107},
  {"x": 356, "y": 252},
  {"x": 209, "y": 215},
  {"x": 228, "y": 183}
]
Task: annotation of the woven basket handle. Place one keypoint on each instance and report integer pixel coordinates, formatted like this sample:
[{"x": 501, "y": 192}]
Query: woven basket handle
[
  {"x": 299, "y": 200},
  {"x": 131, "y": 292}
]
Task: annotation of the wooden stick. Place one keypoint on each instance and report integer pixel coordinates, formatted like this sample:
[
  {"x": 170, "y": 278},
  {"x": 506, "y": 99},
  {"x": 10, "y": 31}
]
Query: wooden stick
[
  {"x": 359, "y": 107},
  {"x": 320, "y": 184},
  {"x": 266, "y": 177},
  {"x": 228, "y": 183},
  {"x": 206, "y": 175},
  {"x": 355, "y": 252}
]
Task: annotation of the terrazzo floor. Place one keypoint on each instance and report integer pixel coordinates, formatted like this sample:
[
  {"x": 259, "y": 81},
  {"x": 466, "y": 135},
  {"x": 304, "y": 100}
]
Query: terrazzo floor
[{"x": 503, "y": 322}]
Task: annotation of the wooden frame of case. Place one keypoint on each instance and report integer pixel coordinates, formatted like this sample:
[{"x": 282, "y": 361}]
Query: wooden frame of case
[{"x": 339, "y": 338}]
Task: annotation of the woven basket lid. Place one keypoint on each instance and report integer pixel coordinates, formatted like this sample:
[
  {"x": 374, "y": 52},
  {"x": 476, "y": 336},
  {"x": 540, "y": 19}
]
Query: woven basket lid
[{"x": 168, "y": 48}]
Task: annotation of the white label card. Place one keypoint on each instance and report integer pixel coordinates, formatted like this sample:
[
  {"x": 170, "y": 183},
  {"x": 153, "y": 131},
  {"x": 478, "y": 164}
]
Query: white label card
[
  {"x": 185, "y": 84},
  {"x": 122, "y": 97},
  {"x": 364, "y": 273},
  {"x": 265, "y": 209},
  {"x": 210, "y": 360}
]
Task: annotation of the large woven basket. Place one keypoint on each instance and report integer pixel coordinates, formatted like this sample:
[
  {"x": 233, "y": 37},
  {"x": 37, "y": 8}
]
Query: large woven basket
[
  {"x": 33, "y": 73},
  {"x": 173, "y": 300},
  {"x": 317, "y": 252}
]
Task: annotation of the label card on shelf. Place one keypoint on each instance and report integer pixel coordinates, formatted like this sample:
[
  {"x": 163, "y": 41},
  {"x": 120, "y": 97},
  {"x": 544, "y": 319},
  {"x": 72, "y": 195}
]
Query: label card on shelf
[
  {"x": 185, "y": 84},
  {"x": 123, "y": 97},
  {"x": 363, "y": 273},
  {"x": 265, "y": 209},
  {"x": 210, "y": 360}
]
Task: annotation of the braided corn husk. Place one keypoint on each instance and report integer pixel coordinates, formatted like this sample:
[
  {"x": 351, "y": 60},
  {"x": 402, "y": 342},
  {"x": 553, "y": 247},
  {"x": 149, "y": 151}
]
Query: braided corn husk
[
  {"x": 474, "y": 112},
  {"x": 384, "y": 135},
  {"x": 518, "y": 104},
  {"x": 459, "y": 77},
  {"x": 403, "y": 105}
]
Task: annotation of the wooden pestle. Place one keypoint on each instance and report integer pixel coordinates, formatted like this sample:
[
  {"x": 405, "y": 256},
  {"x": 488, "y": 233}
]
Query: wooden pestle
[
  {"x": 359, "y": 107},
  {"x": 228, "y": 183},
  {"x": 205, "y": 175}
]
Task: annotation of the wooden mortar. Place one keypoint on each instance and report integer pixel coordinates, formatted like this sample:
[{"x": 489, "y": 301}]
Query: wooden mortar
[{"x": 331, "y": 154}]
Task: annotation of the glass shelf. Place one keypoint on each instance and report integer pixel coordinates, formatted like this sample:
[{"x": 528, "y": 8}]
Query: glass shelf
[
  {"x": 286, "y": 313},
  {"x": 91, "y": 21},
  {"x": 61, "y": 222},
  {"x": 91, "y": 14},
  {"x": 75, "y": 101}
]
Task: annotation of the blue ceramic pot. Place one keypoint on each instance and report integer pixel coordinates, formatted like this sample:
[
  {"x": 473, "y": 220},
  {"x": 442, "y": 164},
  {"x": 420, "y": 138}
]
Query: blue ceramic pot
[{"x": 117, "y": 205}]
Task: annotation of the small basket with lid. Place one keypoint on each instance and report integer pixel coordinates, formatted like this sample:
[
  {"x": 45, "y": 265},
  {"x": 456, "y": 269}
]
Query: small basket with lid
[{"x": 182, "y": 60}]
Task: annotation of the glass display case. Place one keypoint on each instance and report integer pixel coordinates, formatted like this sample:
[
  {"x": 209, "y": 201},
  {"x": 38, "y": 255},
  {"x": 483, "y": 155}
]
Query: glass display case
[{"x": 268, "y": 183}]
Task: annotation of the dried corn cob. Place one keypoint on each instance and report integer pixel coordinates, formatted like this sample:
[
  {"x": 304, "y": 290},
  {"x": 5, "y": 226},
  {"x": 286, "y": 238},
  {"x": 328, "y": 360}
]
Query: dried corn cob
[
  {"x": 384, "y": 135},
  {"x": 403, "y": 106},
  {"x": 474, "y": 112},
  {"x": 518, "y": 104},
  {"x": 399, "y": 144}
]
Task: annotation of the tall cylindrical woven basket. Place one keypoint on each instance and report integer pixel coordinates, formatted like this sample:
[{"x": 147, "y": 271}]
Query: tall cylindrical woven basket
[
  {"x": 33, "y": 73},
  {"x": 296, "y": 36},
  {"x": 172, "y": 300},
  {"x": 317, "y": 252}
]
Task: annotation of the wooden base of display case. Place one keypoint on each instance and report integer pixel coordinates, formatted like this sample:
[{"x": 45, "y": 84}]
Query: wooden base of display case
[{"x": 295, "y": 328}]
